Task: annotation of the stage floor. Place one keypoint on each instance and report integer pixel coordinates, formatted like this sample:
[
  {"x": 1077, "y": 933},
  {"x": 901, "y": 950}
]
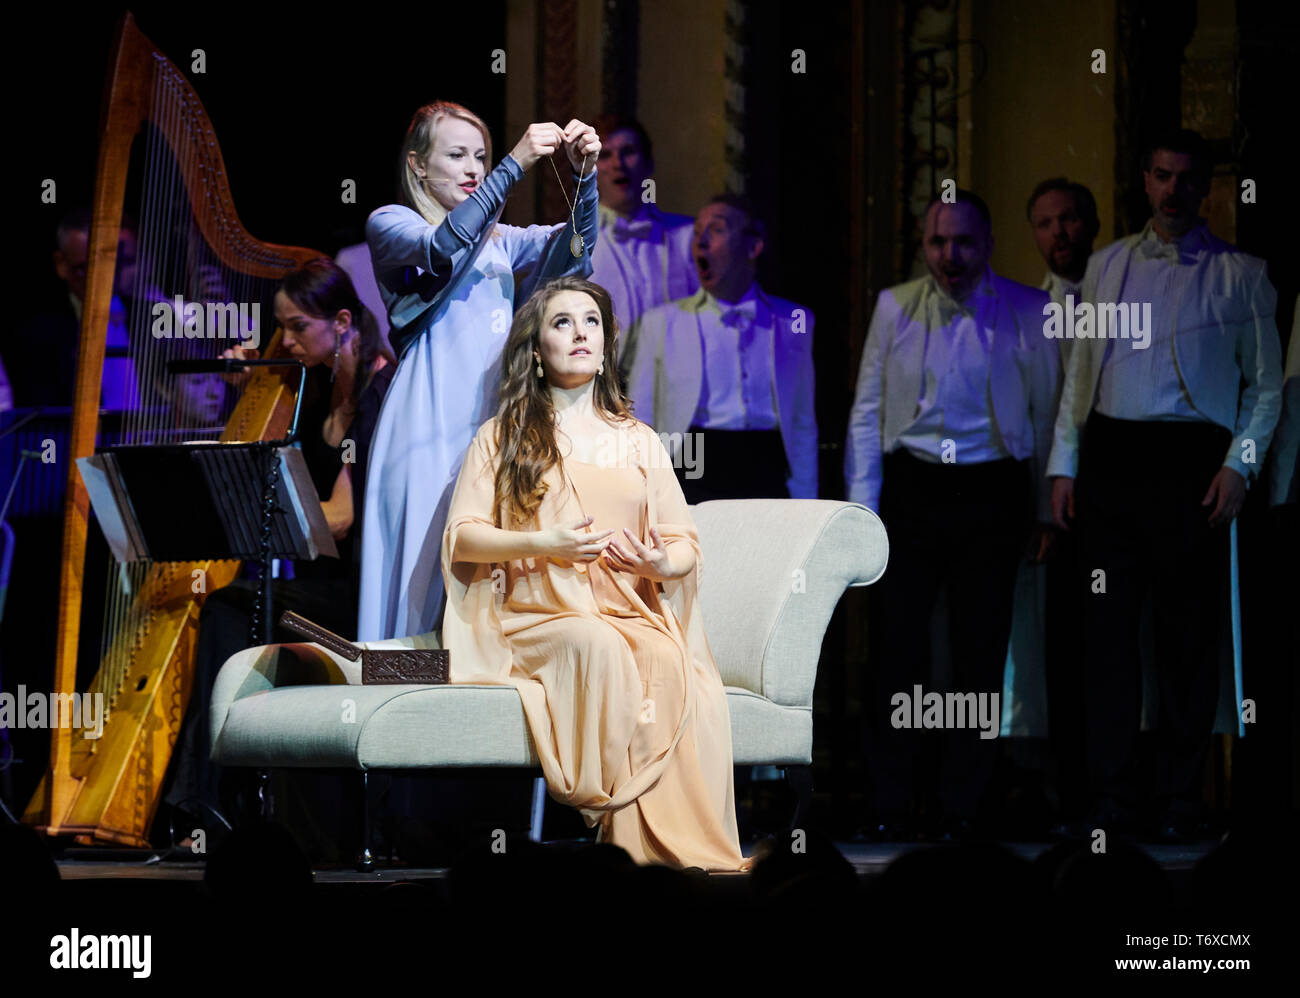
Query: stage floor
[{"x": 869, "y": 860}]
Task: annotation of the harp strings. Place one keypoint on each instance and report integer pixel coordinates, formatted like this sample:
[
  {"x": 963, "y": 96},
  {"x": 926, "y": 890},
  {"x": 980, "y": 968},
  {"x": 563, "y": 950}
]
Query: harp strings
[{"x": 176, "y": 272}]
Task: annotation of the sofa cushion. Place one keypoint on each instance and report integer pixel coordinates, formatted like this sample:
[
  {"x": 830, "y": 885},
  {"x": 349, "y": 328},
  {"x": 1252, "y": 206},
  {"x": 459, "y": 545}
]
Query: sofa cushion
[{"x": 413, "y": 727}]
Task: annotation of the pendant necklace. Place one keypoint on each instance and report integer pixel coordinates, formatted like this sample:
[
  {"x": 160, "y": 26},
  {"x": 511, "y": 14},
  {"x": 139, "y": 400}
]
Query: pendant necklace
[{"x": 576, "y": 243}]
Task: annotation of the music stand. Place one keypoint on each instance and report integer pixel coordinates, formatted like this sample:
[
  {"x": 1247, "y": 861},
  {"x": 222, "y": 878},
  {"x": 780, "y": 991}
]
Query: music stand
[{"x": 205, "y": 501}]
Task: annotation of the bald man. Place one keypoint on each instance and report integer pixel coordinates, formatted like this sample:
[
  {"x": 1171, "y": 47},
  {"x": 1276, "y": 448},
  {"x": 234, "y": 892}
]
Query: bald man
[{"x": 948, "y": 434}]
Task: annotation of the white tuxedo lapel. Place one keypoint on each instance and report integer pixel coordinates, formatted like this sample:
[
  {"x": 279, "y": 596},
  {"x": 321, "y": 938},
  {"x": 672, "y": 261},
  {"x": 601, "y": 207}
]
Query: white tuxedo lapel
[
  {"x": 1004, "y": 370},
  {"x": 681, "y": 377},
  {"x": 781, "y": 370}
]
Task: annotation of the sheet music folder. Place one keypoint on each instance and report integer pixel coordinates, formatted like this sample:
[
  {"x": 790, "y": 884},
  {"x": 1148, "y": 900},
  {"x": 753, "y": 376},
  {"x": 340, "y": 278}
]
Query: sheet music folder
[{"x": 194, "y": 502}]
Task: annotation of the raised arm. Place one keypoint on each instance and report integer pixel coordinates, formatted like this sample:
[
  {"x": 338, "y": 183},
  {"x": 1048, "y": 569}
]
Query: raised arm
[
  {"x": 541, "y": 253},
  {"x": 400, "y": 237}
]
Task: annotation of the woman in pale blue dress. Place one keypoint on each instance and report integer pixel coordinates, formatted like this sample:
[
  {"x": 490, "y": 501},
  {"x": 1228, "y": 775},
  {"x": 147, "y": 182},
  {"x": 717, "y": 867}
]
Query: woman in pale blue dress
[{"x": 450, "y": 274}]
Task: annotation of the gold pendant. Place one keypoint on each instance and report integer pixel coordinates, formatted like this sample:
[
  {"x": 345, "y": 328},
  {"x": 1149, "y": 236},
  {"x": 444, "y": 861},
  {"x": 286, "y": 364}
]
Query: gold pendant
[{"x": 575, "y": 244}]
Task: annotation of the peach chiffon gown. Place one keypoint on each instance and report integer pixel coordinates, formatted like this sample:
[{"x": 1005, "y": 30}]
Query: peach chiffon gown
[{"x": 630, "y": 726}]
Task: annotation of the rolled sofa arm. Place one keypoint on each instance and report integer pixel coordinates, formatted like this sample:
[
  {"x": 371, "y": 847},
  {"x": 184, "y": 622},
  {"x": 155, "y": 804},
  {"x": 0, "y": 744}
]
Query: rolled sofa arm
[{"x": 266, "y": 667}]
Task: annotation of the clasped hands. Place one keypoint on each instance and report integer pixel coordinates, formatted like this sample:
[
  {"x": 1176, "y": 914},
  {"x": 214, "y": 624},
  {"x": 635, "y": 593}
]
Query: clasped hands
[
  {"x": 544, "y": 138},
  {"x": 573, "y": 543}
]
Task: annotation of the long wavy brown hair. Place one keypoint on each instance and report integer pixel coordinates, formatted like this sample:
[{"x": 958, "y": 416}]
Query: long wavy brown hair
[{"x": 526, "y": 447}]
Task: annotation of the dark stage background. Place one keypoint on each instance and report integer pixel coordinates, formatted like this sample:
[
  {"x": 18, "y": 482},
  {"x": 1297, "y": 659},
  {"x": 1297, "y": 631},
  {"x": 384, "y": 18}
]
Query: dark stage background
[
  {"x": 302, "y": 100},
  {"x": 298, "y": 102}
]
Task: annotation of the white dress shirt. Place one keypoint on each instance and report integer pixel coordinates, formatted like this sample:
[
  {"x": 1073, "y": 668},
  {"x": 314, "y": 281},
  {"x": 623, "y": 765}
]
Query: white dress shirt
[
  {"x": 954, "y": 402},
  {"x": 643, "y": 261},
  {"x": 1146, "y": 384},
  {"x": 1214, "y": 353},
  {"x": 666, "y": 376},
  {"x": 898, "y": 366},
  {"x": 738, "y": 391}
]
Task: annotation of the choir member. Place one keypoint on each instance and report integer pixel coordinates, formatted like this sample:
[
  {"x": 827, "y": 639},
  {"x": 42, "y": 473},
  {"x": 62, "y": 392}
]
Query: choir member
[
  {"x": 1163, "y": 422},
  {"x": 948, "y": 434},
  {"x": 727, "y": 373}
]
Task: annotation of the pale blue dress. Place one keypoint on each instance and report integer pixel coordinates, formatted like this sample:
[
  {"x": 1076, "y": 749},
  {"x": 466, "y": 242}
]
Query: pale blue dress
[{"x": 450, "y": 291}]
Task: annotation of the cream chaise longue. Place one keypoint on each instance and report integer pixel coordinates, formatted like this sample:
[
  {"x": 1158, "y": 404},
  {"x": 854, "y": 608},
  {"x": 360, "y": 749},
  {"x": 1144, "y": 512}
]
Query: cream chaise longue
[{"x": 773, "y": 572}]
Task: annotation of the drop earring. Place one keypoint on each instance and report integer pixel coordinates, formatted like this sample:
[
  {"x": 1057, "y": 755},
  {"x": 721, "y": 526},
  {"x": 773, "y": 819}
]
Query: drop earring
[
  {"x": 338, "y": 345},
  {"x": 540, "y": 372},
  {"x": 601, "y": 369}
]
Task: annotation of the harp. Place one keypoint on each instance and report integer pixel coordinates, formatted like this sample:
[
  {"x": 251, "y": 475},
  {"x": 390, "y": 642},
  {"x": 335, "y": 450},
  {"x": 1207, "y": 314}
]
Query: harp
[{"x": 193, "y": 256}]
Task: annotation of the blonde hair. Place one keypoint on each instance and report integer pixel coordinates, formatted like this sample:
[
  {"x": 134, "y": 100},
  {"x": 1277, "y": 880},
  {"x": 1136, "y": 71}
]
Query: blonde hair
[{"x": 420, "y": 138}]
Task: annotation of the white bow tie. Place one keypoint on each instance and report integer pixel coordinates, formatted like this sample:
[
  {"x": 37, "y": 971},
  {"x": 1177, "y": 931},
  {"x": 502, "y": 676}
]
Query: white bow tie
[
  {"x": 741, "y": 317},
  {"x": 641, "y": 229}
]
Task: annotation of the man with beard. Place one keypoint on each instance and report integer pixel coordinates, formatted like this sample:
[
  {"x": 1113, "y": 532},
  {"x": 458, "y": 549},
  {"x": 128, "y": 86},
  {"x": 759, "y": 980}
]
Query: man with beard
[
  {"x": 1063, "y": 217},
  {"x": 1155, "y": 443},
  {"x": 947, "y": 441},
  {"x": 1046, "y": 644}
]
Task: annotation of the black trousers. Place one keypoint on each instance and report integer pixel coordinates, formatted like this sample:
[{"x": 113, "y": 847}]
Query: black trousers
[
  {"x": 734, "y": 464},
  {"x": 1066, "y": 675},
  {"x": 964, "y": 526},
  {"x": 1140, "y": 522}
]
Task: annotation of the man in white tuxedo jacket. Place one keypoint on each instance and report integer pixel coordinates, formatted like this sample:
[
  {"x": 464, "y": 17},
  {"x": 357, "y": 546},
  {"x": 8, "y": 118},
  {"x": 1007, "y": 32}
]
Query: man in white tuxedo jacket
[
  {"x": 1164, "y": 419},
  {"x": 727, "y": 373},
  {"x": 948, "y": 437},
  {"x": 643, "y": 255}
]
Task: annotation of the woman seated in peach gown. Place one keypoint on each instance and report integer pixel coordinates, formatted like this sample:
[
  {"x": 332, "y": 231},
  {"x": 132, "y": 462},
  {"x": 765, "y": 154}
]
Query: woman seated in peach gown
[{"x": 572, "y": 567}]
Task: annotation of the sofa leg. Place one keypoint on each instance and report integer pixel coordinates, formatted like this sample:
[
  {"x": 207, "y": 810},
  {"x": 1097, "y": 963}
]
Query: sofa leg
[
  {"x": 799, "y": 779},
  {"x": 538, "y": 809},
  {"x": 265, "y": 799},
  {"x": 365, "y": 860}
]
